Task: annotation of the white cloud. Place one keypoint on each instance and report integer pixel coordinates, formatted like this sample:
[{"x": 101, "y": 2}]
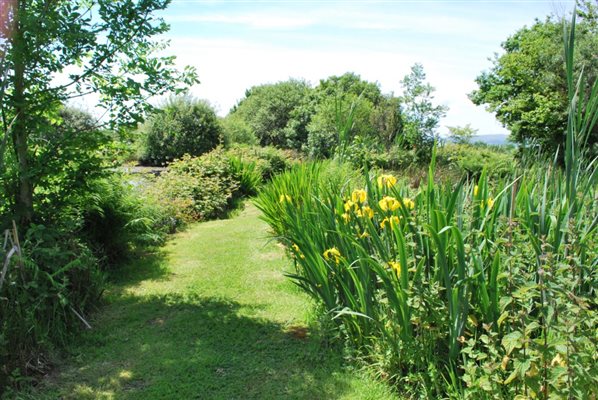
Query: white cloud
[{"x": 253, "y": 20}]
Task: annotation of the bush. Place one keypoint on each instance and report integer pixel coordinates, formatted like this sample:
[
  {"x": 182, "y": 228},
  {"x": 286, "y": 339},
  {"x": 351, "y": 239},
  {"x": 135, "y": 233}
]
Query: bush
[
  {"x": 197, "y": 188},
  {"x": 472, "y": 159},
  {"x": 276, "y": 113},
  {"x": 87, "y": 218},
  {"x": 270, "y": 161},
  {"x": 56, "y": 278},
  {"x": 118, "y": 220},
  {"x": 237, "y": 131},
  {"x": 183, "y": 126}
]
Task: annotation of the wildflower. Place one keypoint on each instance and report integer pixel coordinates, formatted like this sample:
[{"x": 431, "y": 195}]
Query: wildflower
[
  {"x": 284, "y": 198},
  {"x": 298, "y": 251},
  {"x": 332, "y": 254},
  {"x": 349, "y": 205},
  {"x": 358, "y": 196},
  {"x": 386, "y": 180},
  {"x": 408, "y": 203},
  {"x": 388, "y": 203},
  {"x": 490, "y": 202},
  {"x": 396, "y": 266},
  {"x": 346, "y": 217},
  {"x": 476, "y": 190},
  {"x": 366, "y": 211},
  {"x": 392, "y": 221}
]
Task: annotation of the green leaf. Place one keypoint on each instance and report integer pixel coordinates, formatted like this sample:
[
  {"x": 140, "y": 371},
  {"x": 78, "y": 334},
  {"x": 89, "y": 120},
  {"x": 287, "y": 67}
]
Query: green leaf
[{"x": 512, "y": 341}]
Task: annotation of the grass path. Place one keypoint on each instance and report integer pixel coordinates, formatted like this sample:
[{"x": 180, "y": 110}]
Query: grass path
[{"x": 212, "y": 317}]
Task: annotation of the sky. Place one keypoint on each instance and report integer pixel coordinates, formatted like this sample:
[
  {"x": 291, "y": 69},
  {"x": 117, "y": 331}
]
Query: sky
[{"x": 238, "y": 44}]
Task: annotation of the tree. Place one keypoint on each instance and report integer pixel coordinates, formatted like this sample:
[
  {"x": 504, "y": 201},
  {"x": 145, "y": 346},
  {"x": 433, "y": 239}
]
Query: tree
[
  {"x": 349, "y": 84},
  {"x": 182, "y": 126},
  {"x": 337, "y": 98},
  {"x": 462, "y": 134},
  {"x": 421, "y": 116},
  {"x": 387, "y": 119},
  {"x": 277, "y": 113},
  {"x": 57, "y": 50},
  {"x": 526, "y": 87}
]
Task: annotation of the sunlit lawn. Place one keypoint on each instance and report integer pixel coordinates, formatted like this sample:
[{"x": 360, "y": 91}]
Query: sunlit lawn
[{"x": 211, "y": 317}]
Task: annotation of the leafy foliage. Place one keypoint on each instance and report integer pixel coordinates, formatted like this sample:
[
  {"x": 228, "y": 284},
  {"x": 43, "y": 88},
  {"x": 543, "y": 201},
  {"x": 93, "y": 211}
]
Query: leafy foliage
[
  {"x": 472, "y": 160},
  {"x": 533, "y": 106},
  {"x": 277, "y": 114},
  {"x": 237, "y": 132},
  {"x": 471, "y": 290},
  {"x": 92, "y": 42},
  {"x": 439, "y": 279},
  {"x": 56, "y": 278},
  {"x": 462, "y": 134},
  {"x": 197, "y": 188},
  {"x": 183, "y": 126},
  {"x": 269, "y": 161},
  {"x": 421, "y": 116}
]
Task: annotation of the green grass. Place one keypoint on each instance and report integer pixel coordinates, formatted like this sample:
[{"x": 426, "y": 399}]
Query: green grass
[{"x": 210, "y": 317}]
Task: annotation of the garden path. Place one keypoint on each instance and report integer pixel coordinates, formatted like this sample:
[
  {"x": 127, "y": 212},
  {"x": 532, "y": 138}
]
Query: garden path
[{"x": 211, "y": 316}]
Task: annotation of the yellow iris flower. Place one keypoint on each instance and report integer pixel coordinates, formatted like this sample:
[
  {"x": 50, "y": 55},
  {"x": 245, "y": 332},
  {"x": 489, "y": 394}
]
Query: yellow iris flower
[
  {"x": 395, "y": 265},
  {"x": 332, "y": 254},
  {"x": 297, "y": 251},
  {"x": 408, "y": 203},
  {"x": 392, "y": 221},
  {"x": 386, "y": 180},
  {"x": 349, "y": 205},
  {"x": 366, "y": 211},
  {"x": 388, "y": 203},
  {"x": 359, "y": 196},
  {"x": 285, "y": 198}
]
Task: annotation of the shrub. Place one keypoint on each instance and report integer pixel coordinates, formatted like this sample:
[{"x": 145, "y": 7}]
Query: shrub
[
  {"x": 198, "y": 188},
  {"x": 56, "y": 280},
  {"x": 276, "y": 113},
  {"x": 183, "y": 126},
  {"x": 118, "y": 219},
  {"x": 237, "y": 131},
  {"x": 270, "y": 161},
  {"x": 473, "y": 159}
]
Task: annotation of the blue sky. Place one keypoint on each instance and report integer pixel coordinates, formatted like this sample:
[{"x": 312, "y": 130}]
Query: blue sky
[{"x": 237, "y": 44}]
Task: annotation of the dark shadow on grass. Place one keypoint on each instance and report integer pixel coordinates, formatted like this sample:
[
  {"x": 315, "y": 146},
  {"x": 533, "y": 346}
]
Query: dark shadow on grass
[
  {"x": 189, "y": 347},
  {"x": 143, "y": 265}
]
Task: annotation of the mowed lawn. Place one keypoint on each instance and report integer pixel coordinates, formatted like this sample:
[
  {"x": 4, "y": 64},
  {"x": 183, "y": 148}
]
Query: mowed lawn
[{"x": 210, "y": 317}]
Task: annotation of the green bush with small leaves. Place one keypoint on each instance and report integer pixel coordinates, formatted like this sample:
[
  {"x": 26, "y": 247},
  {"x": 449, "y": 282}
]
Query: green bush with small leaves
[
  {"x": 472, "y": 159},
  {"x": 183, "y": 126},
  {"x": 199, "y": 188}
]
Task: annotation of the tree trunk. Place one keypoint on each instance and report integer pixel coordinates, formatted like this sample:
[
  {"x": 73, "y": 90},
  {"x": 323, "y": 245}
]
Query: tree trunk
[{"x": 24, "y": 196}]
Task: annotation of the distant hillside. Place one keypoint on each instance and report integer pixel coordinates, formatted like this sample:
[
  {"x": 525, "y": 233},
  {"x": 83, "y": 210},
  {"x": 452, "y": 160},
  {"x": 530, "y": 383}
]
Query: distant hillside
[{"x": 491, "y": 139}]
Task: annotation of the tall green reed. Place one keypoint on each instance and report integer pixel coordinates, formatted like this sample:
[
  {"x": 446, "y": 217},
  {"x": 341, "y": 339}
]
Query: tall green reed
[{"x": 490, "y": 285}]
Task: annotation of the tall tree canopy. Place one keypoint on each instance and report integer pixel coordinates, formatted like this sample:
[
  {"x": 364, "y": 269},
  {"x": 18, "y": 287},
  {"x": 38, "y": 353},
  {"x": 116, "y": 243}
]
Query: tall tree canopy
[
  {"x": 56, "y": 50},
  {"x": 277, "y": 113},
  {"x": 336, "y": 96},
  {"x": 421, "y": 116},
  {"x": 526, "y": 87}
]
